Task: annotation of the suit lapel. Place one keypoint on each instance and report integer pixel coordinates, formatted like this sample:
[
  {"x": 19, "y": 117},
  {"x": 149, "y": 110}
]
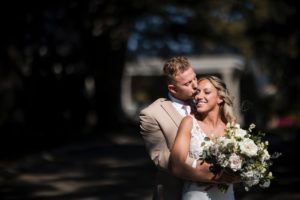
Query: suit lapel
[{"x": 171, "y": 111}]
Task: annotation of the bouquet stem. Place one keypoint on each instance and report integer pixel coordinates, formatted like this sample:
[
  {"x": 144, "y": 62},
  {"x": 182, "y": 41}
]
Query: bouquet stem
[{"x": 223, "y": 187}]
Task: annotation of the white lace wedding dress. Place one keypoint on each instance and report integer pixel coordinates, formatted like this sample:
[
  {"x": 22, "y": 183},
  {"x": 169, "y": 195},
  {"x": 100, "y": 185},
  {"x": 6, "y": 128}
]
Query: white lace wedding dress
[{"x": 201, "y": 191}]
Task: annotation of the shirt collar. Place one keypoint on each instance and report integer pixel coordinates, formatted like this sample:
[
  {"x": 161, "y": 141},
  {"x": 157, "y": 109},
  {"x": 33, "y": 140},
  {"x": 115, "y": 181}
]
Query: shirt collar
[
  {"x": 175, "y": 100},
  {"x": 182, "y": 107}
]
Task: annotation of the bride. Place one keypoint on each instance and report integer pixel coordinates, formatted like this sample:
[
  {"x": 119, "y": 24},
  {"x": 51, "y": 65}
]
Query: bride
[{"x": 213, "y": 109}]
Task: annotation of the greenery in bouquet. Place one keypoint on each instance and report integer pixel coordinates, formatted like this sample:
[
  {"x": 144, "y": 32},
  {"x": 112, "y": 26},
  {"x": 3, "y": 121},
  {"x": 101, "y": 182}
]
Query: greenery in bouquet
[{"x": 243, "y": 153}]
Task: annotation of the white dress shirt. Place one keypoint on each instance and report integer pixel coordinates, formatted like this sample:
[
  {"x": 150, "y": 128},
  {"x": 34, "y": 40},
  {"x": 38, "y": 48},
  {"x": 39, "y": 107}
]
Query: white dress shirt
[{"x": 180, "y": 106}]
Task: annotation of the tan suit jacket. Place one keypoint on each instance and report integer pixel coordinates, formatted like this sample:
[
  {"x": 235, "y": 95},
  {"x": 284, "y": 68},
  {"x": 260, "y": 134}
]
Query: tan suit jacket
[{"x": 158, "y": 126}]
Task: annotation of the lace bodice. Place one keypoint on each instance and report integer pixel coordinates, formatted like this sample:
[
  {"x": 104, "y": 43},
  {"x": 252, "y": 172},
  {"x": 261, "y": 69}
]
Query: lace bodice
[{"x": 197, "y": 137}]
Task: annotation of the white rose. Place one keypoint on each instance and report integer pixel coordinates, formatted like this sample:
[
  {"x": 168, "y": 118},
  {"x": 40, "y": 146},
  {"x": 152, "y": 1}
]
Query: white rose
[
  {"x": 237, "y": 126},
  {"x": 240, "y": 133},
  {"x": 235, "y": 162},
  {"x": 248, "y": 147}
]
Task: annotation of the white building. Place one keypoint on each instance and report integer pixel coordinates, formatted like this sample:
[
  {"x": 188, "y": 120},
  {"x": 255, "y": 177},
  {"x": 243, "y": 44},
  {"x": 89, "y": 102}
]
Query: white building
[{"x": 143, "y": 79}]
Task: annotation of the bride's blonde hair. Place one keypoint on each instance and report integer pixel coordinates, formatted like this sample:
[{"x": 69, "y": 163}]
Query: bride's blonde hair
[{"x": 226, "y": 107}]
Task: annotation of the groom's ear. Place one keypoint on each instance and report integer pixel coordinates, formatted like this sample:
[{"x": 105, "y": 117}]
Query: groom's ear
[{"x": 172, "y": 88}]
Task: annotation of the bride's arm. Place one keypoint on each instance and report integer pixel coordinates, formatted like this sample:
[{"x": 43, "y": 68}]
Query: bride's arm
[{"x": 179, "y": 153}]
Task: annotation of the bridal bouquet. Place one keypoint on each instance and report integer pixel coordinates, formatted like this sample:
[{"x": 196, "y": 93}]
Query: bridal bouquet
[{"x": 242, "y": 153}]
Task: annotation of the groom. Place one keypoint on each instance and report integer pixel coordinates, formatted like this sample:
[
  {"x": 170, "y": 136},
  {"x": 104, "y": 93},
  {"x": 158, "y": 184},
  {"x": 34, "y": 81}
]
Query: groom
[{"x": 159, "y": 123}]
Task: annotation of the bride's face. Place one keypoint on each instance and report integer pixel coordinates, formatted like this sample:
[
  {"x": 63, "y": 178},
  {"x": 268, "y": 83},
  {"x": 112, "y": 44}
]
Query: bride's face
[{"x": 207, "y": 98}]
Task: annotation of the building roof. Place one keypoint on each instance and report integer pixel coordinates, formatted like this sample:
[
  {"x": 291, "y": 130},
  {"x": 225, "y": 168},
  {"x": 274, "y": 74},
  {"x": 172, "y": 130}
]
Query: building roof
[{"x": 204, "y": 63}]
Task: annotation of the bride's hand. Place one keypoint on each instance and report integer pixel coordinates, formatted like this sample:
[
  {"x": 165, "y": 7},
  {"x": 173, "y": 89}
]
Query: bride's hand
[
  {"x": 226, "y": 177},
  {"x": 221, "y": 177},
  {"x": 204, "y": 170},
  {"x": 203, "y": 166}
]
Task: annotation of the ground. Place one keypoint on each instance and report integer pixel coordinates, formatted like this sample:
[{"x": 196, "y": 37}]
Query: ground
[{"x": 111, "y": 169}]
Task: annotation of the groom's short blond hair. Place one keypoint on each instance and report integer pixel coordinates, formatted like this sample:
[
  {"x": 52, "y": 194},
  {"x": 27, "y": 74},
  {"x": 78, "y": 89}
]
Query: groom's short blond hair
[{"x": 175, "y": 65}]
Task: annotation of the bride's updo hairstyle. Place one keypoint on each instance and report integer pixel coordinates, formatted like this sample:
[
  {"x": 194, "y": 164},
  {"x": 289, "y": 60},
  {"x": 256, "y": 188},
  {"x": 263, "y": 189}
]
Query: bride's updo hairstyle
[{"x": 226, "y": 107}]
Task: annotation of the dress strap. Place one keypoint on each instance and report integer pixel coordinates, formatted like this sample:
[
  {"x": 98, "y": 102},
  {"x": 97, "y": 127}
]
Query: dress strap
[{"x": 194, "y": 121}]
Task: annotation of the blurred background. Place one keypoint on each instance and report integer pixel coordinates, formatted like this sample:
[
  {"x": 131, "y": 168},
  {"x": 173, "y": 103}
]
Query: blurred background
[{"x": 75, "y": 74}]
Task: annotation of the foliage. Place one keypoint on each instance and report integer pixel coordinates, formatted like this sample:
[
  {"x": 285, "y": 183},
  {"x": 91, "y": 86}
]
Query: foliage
[{"x": 52, "y": 51}]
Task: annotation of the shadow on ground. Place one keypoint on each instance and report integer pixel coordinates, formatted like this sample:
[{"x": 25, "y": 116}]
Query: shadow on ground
[{"x": 117, "y": 169}]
